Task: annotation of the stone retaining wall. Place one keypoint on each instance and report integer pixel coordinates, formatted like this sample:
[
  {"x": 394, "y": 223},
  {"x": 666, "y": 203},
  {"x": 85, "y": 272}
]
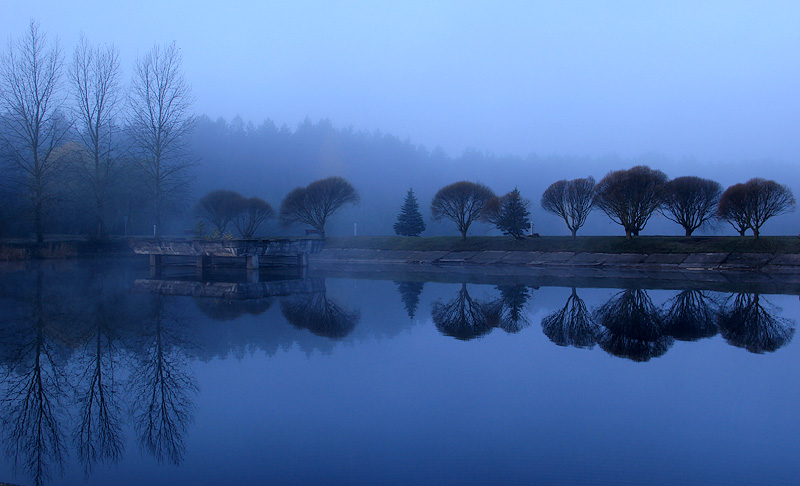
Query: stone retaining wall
[{"x": 760, "y": 262}]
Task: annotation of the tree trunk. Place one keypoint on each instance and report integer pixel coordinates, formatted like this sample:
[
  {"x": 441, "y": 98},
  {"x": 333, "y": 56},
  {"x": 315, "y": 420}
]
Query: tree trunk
[
  {"x": 689, "y": 232},
  {"x": 38, "y": 227},
  {"x": 574, "y": 234},
  {"x": 741, "y": 231},
  {"x": 463, "y": 234},
  {"x": 755, "y": 232}
]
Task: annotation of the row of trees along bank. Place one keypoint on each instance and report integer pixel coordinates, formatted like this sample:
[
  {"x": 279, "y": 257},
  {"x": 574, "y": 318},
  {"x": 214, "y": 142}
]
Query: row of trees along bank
[
  {"x": 79, "y": 146},
  {"x": 628, "y": 197}
]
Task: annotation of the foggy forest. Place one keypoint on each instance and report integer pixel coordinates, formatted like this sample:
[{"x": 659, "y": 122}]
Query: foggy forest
[{"x": 81, "y": 156}]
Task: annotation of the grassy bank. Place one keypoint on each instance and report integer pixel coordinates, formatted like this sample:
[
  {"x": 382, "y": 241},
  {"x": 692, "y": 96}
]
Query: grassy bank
[{"x": 598, "y": 244}]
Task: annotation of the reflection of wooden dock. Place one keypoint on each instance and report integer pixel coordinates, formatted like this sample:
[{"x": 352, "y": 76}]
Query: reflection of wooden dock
[
  {"x": 230, "y": 290},
  {"x": 287, "y": 251}
]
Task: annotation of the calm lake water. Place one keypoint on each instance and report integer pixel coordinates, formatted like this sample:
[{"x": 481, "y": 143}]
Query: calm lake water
[{"x": 110, "y": 376}]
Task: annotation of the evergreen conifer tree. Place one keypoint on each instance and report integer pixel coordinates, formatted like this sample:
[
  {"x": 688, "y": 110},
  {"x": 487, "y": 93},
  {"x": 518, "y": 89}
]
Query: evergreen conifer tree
[
  {"x": 513, "y": 219},
  {"x": 409, "y": 292},
  {"x": 409, "y": 221}
]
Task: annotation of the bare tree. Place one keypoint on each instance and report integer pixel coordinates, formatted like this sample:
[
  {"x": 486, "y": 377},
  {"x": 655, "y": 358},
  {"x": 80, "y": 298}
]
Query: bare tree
[
  {"x": 219, "y": 208},
  {"x": 571, "y": 325},
  {"x": 571, "y": 200},
  {"x": 691, "y": 201},
  {"x": 319, "y": 314},
  {"x": 158, "y": 123},
  {"x": 768, "y": 199},
  {"x": 630, "y": 197},
  {"x": 34, "y": 126},
  {"x": 733, "y": 208},
  {"x": 752, "y": 323},
  {"x": 751, "y": 204},
  {"x": 463, "y": 317},
  {"x": 94, "y": 75},
  {"x": 461, "y": 202},
  {"x": 317, "y": 202},
  {"x": 163, "y": 387},
  {"x": 253, "y": 212},
  {"x": 632, "y": 327}
]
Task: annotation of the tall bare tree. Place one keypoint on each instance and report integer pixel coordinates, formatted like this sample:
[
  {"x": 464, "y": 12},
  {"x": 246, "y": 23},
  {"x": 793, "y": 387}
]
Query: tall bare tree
[
  {"x": 571, "y": 200},
  {"x": 691, "y": 201},
  {"x": 159, "y": 122},
  {"x": 94, "y": 76},
  {"x": 31, "y": 100}
]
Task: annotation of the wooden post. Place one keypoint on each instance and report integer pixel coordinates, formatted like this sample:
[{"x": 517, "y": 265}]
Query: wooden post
[{"x": 302, "y": 259}]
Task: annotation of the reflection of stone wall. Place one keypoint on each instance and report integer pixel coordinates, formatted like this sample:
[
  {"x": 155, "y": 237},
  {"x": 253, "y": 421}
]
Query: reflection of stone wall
[
  {"x": 228, "y": 290},
  {"x": 773, "y": 263}
]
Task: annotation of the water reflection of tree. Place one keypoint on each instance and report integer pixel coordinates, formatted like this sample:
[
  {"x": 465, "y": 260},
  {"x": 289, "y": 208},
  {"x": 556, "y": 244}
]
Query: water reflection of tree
[
  {"x": 162, "y": 386},
  {"x": 320, "y": 315},
  {"x": 572, "y": 325},
  {"x": 98, "y": 432},
  {"x": 691, "y": 315},
  {"x": 462, "y": 317},
  {"x": 632, "y": 327},
  {"x": 409, "y": 292},
  {"x": 230, "y": 309},
  {"x": 508, "y": 311},
  {"x": 749, "y": 322},
  {"x": 35, "y": 382}
]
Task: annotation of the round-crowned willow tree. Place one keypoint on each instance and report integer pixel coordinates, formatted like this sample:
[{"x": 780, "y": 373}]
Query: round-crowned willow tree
[
  {"x": 733, "y": 208},
  {"x": 252, "y": 213},
  {"x": 219, "y": 208},
  {"x": 691, "y": 201},
  {"x": 630, "y": 197},
  {"x": 461, "y": 202},
  {"x": 409, "y": 221},
  {"x": 571, "y": 200},
  {"x": 751, "y": 204},
  {"x": 317, "y": 202}
]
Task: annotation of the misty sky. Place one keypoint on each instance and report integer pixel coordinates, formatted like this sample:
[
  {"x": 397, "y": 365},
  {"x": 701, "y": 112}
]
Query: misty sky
[{"x": 714, "y": 81}]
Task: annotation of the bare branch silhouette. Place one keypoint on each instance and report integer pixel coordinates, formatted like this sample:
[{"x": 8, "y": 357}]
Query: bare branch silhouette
[
  {"x": 750, "y": 322},
  {"x": 320, "y": 315},
  {"x": 692, "y": 315},
  {"x": 163, "y": 389},
  {"x": 462, "y": 318},
  {"x": 632, "y": 327},
  {"x": 572, "y": 325}
]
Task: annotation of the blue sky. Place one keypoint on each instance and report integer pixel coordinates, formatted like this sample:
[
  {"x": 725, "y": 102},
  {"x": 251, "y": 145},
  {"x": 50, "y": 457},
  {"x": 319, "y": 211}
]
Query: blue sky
[{"x": 714, "y": 81}]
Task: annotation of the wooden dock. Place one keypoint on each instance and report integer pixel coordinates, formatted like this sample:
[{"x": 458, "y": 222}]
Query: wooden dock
[{"x": 292, "y": 251}]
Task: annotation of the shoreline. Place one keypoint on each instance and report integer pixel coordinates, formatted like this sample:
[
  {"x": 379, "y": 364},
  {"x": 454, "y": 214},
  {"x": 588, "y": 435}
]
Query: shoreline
[{"x": 778, "y": 263}]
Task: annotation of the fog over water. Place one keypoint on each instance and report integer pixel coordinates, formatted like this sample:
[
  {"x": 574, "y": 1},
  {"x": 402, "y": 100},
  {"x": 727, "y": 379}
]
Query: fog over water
[{"x": 543, "y": 90}]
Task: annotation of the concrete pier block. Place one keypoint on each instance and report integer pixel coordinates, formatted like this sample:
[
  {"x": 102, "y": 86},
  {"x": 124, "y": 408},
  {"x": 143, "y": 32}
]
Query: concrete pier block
[{"x": 252, "y": 262}]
